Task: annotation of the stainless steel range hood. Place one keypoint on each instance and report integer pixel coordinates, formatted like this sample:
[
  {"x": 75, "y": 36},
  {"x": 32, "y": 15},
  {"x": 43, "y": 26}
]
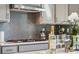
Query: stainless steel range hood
[{"x": 23, "y": 8}]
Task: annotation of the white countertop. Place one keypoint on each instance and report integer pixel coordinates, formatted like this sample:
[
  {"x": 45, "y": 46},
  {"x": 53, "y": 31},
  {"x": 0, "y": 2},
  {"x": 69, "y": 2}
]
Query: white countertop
[{"x": 10, "y": 43}]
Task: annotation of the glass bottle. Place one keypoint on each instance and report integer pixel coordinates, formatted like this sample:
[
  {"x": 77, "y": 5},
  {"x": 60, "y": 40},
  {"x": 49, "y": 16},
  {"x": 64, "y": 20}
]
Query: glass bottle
[{"x": 43, "y": 34}]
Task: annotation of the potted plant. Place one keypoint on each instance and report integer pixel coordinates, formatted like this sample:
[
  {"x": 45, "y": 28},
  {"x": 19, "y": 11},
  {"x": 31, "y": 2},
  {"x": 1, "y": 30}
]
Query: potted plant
[{"x": 74, "y": 28}]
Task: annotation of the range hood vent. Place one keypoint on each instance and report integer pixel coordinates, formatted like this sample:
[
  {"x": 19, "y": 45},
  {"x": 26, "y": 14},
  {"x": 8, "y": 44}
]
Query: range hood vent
[{"x": 23, "y": 8}]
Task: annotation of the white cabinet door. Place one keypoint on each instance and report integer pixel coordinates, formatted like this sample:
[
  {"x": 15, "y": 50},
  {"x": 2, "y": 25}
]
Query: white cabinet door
[
  {"x": 48, "y": 14},
  {"x": 61, "y": 13},
  {"x": 4, "y": 13},
  {"x": 8, "y": 13}
]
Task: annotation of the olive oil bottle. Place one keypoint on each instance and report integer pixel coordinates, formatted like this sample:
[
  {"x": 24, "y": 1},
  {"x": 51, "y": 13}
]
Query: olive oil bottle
[{"x": 52, "y": 40}]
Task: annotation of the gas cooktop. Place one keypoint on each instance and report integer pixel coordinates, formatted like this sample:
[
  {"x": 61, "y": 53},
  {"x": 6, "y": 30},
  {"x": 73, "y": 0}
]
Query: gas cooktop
[{"x": 25, "y": 40}]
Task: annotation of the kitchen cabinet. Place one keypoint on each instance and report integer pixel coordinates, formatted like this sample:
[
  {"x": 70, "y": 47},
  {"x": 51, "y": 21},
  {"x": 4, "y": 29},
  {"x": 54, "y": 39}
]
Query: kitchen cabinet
[
  {"x": 9, "y": 49},
  {"x": 61, "y": 13},
  {"x": 4, "y": 13},
  {"x": 32, "y": 47},
  {"x": 48, "y": 14}
]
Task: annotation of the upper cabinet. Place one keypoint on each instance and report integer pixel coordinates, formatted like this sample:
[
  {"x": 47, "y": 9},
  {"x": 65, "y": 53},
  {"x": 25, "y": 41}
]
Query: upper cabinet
[
  {"x": 61, "y": 13},
  {"x": 47, "y": 16},
  {"x": 4, "y": 13}
]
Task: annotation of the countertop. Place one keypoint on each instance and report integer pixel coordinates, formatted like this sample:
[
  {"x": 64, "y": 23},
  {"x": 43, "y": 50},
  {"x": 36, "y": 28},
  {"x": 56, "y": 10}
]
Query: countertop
[{"x": 10, "y": 43}]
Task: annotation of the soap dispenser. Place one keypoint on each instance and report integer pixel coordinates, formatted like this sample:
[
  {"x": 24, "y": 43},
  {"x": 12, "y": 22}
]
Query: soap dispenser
[{"x": 1, "y": 36}]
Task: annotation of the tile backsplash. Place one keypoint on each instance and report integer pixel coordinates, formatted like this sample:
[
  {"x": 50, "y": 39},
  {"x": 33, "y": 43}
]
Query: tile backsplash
[{"x": 20, "y": 27}]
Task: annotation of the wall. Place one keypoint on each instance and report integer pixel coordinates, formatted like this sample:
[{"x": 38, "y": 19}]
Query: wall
[
  {"x": 61, "y": 13},
  {"x": 73, "y": 8}
]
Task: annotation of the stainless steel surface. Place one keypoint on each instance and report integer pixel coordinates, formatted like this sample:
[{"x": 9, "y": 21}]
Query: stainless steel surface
[
  {"x": 9, "y": 49},
  {"x": 25, "y": 40},
  {"x": 33, "y": 47}
]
